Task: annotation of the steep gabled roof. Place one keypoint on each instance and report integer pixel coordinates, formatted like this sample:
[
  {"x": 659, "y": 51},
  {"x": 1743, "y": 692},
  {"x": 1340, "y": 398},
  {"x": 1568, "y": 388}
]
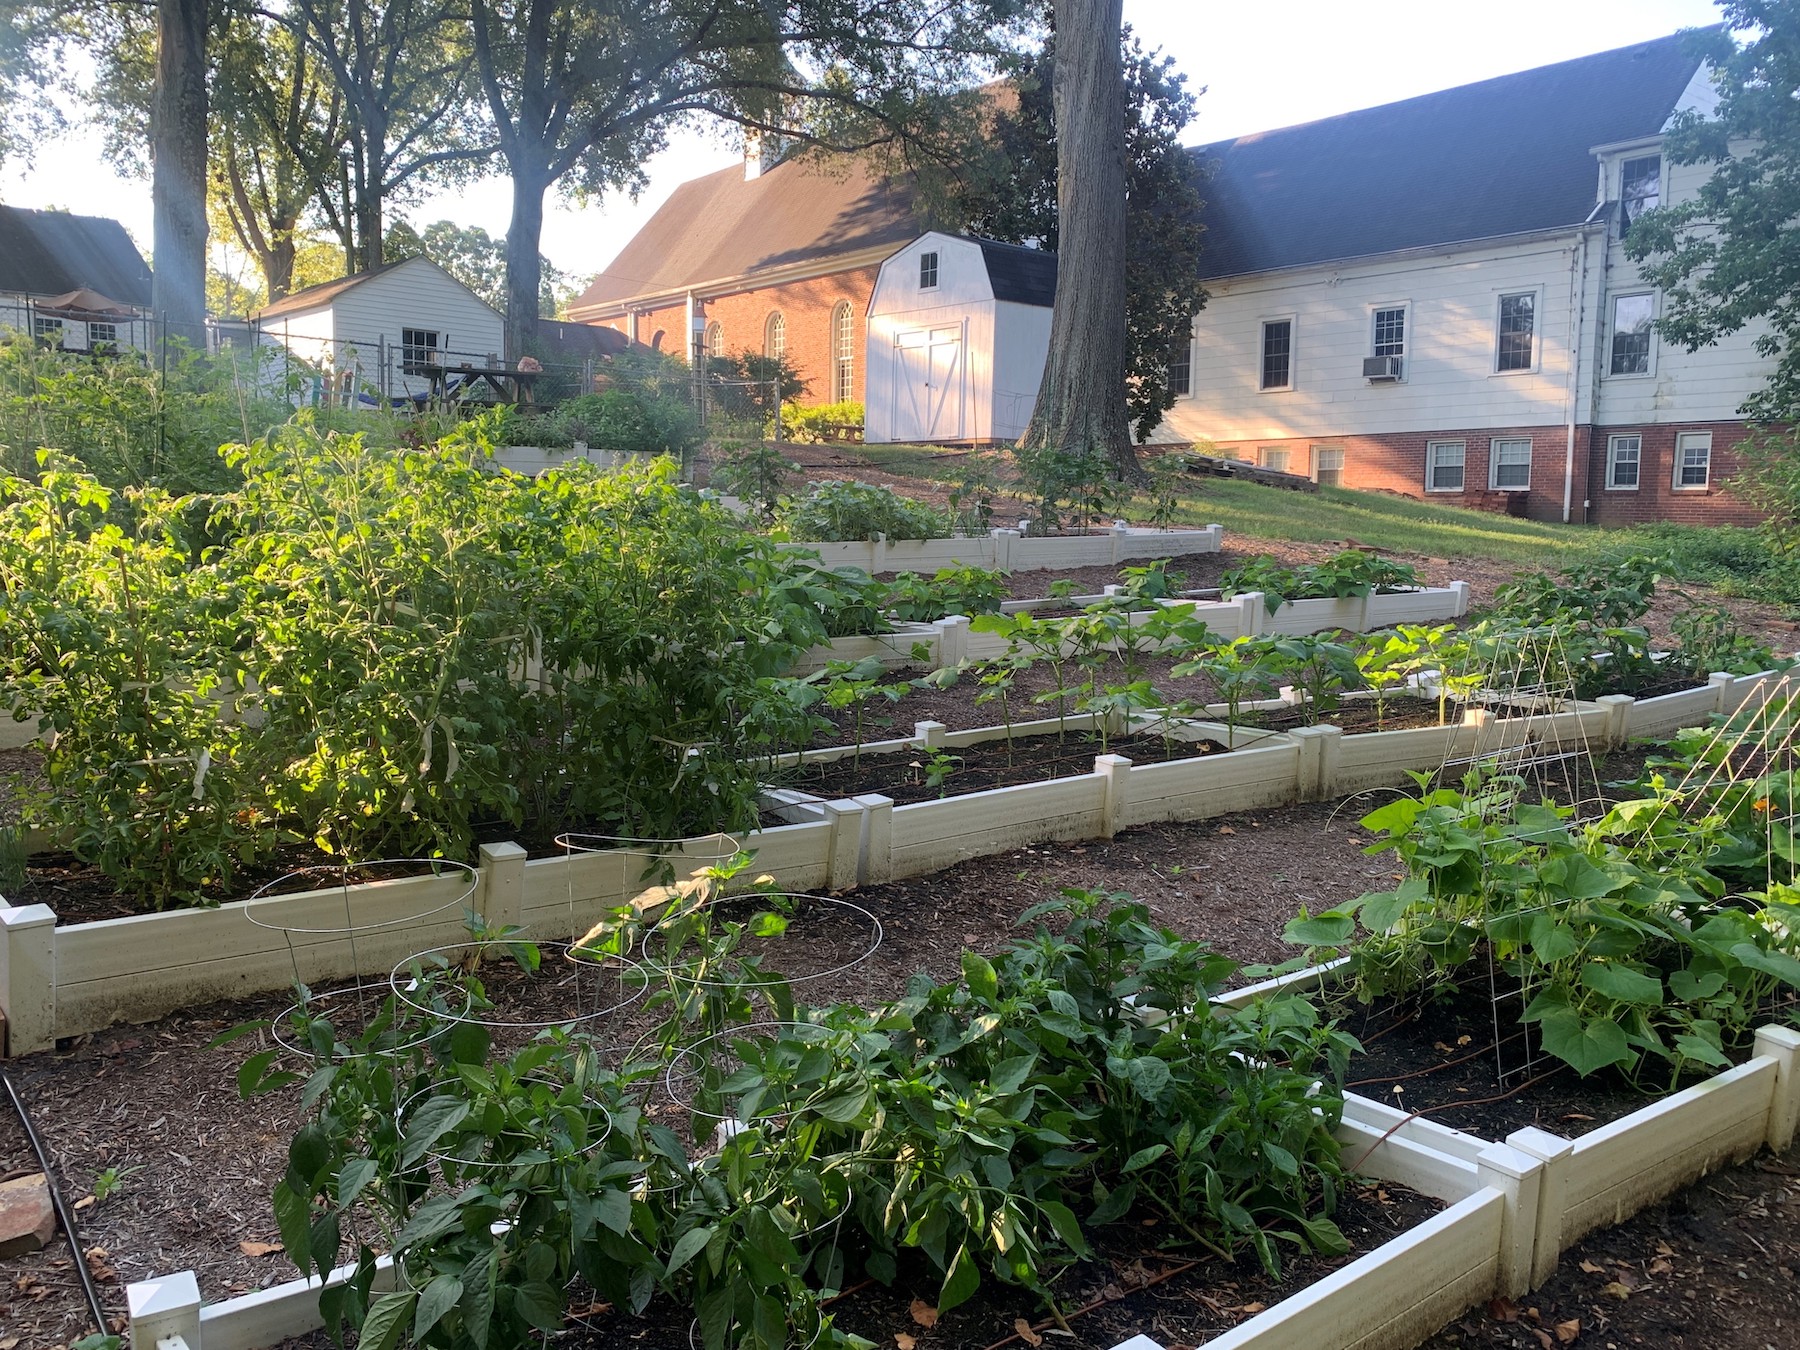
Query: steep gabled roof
[
  {"x": 722, "y": 226},
  {"x": 52, "y": 252},
  {"x": 1025, "y": 276},
  {"x": 312, "y": 297},
  {"x": 1504, "y": 156}
]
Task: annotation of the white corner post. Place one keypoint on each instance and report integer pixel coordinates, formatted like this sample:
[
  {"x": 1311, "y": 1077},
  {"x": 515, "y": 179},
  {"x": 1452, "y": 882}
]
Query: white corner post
[
  {"x": 1555, "y": 1154},
  {"x": 1519, "y": 1177},
  {"x": 1217, "y": 532},
  {"x": 1003, "y": 548},
  {"x": 1250, "y": 614},
  {"x": 1315, "y": 773},
  {"x": 1115, "y": 784},
  {"x": 28, "y": 977},
  {"x": 502, "y": 884},
  {"x": 877, "y": 863},
  {"x": 1460, "y": 589},
  {"x": 953, "y": 640},
  {"x": 165, "y": 1312},
  {"x": 1721, "y": 682},
  {"x": 1618, "y": 719},
  {"x": 843, "y": 862},
  {"x": 929, "y": 735},
  {"x": 1782, "y": 1044}
]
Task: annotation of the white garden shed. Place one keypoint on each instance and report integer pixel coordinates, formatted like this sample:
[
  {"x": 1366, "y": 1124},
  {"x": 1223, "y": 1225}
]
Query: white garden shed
[
  {"x": 958, "y": 331},
  {"x": 378, "y": 332}
]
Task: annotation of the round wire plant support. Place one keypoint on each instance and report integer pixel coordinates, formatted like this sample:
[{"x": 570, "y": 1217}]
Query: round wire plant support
[
  {"x": 598, "y": 983},
  {"x": 777, "y": 932},
  {"x": 665, "y": 857},
  {"x": 698, "y": 1075},
  {"x": 588, "y": 1106},
  {"x": 415, "y": 1022}
]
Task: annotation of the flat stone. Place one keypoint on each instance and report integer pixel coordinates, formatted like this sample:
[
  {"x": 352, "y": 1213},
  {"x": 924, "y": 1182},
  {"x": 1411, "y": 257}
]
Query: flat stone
[{"x": 27, "y": 1216}]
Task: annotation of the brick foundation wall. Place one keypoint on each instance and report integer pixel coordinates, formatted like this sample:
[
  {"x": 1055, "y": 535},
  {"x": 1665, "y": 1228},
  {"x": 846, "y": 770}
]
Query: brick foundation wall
[
  {"x": 1395, "y": 462},
  {"x": 807, "y": 306}
]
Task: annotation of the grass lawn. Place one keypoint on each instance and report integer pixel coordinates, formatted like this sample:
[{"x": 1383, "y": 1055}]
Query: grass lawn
[{"x": 1371, "y": 518}]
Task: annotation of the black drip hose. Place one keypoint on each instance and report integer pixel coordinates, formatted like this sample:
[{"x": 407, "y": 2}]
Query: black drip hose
[{"x": 64, "y": 1214}]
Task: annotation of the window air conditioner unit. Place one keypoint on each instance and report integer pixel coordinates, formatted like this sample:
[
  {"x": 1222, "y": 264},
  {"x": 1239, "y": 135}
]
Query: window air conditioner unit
[{"x": 1381, "y": 369}]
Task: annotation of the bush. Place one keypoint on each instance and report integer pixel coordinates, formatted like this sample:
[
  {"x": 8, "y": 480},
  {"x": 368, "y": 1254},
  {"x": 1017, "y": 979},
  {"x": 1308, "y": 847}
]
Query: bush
[
  {"x": 837, "y": 511},
  {"x": 808, "y": 424}
]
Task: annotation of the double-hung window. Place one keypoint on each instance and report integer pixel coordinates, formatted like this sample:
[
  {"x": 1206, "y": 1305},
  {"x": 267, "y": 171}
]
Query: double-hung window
[
  {"x": 1516, "y": 338},
  {"x": 1624, "y": 463},
  {"x": 928, "y": 271},
  {"x": 1510, "y": 466},
  {"x": 1277, "y": 354},
  {"x": 1181, "y": 366},
  {"x": 1273, "y": 457},
  {"x": 1444, "y": 465},
  {"x": 1640, "y": 189},
  {"x": 1328, "y": 465},
  {"x": 1388, "y": 332},
  {"x": 1632, "y": 316},
  {"x": 50, "y": 329},
  {"x": 418, "y": 349},
  {"x": 1693, "y": 461}
]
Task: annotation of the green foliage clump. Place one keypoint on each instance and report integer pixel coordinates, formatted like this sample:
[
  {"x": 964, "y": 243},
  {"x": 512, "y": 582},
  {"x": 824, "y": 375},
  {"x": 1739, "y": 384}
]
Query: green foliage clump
[
  {"x": 835, "y": 511},
  {"x": 131, "y": 421},
  {"x": 1353, "y": 572},
  {"x": 982, "y": 1127},
  {"x": 810, "y": 424}
]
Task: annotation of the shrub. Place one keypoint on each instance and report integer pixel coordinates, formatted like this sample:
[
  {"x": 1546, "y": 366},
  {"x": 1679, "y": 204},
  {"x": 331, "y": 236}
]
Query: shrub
[
  {"x": 808, "y": 424},
  {"x": 836, "y": 511}
]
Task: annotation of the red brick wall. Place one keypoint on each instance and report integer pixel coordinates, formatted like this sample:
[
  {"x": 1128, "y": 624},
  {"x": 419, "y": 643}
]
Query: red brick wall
[
  {"x": 806, "y": 305},
  {"x": 1395, "y": 462}
]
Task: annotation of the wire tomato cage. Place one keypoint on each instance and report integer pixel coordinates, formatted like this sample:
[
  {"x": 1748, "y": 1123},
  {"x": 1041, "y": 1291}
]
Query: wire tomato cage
[{"x": 759, "y": 937}]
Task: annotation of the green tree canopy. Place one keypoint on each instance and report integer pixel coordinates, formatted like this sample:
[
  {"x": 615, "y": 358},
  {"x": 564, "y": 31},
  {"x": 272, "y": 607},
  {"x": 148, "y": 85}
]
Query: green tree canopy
[{"x": 1729, "y": 256}]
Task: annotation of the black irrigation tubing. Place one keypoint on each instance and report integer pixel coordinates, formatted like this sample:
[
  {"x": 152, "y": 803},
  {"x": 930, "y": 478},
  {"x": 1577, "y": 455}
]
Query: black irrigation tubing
[{"x": 64, "y": 1214}]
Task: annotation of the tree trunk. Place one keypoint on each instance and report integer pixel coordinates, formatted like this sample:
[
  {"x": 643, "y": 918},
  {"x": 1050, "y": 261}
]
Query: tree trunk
[
  {"x": 524, "y": 265},
  {"x": 178, "y": 182},
  {"x": 1081, "y": 402}
]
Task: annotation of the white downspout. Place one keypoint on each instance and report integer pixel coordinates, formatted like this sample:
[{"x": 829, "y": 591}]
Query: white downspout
[{"x": 1577, "y": 351}]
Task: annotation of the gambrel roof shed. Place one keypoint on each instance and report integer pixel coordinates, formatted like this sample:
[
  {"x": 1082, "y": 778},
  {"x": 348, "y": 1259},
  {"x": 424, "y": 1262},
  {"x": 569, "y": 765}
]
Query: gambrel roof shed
[{"x": 1506, "y": 156}]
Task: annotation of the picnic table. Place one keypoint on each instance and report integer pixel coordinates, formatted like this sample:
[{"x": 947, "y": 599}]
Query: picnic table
[{"x": 510, "y": 384}]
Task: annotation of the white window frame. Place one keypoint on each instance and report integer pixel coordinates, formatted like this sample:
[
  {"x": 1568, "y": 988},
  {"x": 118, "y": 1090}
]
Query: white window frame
[
  {"x": 929, "y": 264},
  {"x": 1431, "y": 463},
  {"x": 110, "y": 338},
  {"x": 42, "y": 326},
  {"x": 1614, "y": 444},
  {"x": 775, "y": 335},
  {"x": 1316, "y": 454},
  {"x": 415, "y": 356},
  {"x": 843, "y": 352},
  {"x": 1264, "y": 451},
  {"x": 1676, "y": 485},
  {"x": 1494, "y": 459},
  {"x": 1262, "y": 337},
  {"x": 1175, "y": 347},
  {"x": 713, "y": 340},
  {"x": 1537, "y": 331},
  {"x": 1612, "y": 328},
  {"x": 1618, "y": 179},
  {"x": 1406, "y": 334}
]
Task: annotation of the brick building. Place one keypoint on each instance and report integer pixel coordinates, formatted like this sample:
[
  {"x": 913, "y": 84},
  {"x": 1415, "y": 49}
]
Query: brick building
[
  {"x": 778, "y": 257},
  {"x": 1432, "y": 297}
]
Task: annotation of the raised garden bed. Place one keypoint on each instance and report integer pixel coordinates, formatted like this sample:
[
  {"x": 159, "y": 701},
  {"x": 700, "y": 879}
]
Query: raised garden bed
[{"x": 1012, "y": 551}]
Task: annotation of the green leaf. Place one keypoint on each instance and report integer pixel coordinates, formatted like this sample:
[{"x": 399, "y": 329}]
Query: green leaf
[
  {"x": 352, "y": 1177},
  {"x": 978, "y": 971},
  {"x": 478, "y": 1297},
  {"x": 1150, "y": 1076},
  {"x": 688, "y": 1246},
  {"x": 386, "y": 1322},
  {"x": 1382, "y": 910},
  {"x": 1587, "y": 1046},
  {"x": 962, "y": 1281},
  {"x": 1784, "y": 968},
  {"x": 1009, "y": 1075},
  {"x": 438, "y": 1298},
  {"x": 431, "y": 1122},
  {"x": 1068, "y": 1228},
  {"x": 1690, "y": 987},
  {"x": 1144, "y": 1157},
  {"x": 538, "y": 1304},
  {"x": 1330, "y": 929},
  {"x": 1551, "y": 939},
  {"x": 1622, "y": 984},
  {"x": 845, "y": 1107},
  {"x": 437, "y": 1215},
  {"x": 293, "y": 1216},
  {"x": 1701, "y": 1051}
]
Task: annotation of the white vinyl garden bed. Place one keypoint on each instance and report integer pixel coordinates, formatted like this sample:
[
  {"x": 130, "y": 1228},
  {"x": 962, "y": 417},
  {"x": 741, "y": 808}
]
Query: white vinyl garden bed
[
  {"x": 1013, "y": 551},
  {"x": 58, "y": 981}
]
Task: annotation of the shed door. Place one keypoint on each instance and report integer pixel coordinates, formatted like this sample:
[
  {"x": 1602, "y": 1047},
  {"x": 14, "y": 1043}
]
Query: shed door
[{"x": 928, "y": 384}]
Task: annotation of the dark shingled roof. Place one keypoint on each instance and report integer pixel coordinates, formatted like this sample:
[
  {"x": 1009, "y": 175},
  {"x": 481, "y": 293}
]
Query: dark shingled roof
[
  {"x": 1026, "y": 276},
  {"x": 561, "y": 341},
  {"x": 722, "y": 226},
  {"x": 53, "y": 252},
  {"x": 1504, "y": 156}
]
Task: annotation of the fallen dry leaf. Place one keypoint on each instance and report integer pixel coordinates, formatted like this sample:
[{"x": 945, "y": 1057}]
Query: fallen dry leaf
[
  {"x": 1543, "y": 1337},
  {"x": 1660, "y": 1266},
  {"x": 1251, "y": 1309},
  {"x": 1025, "y": 1332},
  {"x": 1503, "y": 1310},
  {"x": 923, "y": 1313},
  {"x": 1593, "y": 1269},
  {"x": 86, "y": 1202},
  {"x": 1226, "y": 829},
  {"x": 1616, "y": 1289},
  {"x": 10, "y": 1343},
  {"x": 1566, "y": 1332},
  {"x": 904, "y": 1342},
  {"x": 259, "y": 1248}
]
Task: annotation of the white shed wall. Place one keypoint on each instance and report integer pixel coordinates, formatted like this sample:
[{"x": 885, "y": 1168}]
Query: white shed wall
[
  {"x": 1021, "y": 344},
  {"x": 900, "y": 313}
]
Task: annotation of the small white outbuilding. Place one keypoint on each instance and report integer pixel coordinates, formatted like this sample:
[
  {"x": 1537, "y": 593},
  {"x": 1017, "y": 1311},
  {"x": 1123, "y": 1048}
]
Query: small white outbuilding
[
  {"x": 380, "y": 331},
  {"x": 958, "y": 331}
]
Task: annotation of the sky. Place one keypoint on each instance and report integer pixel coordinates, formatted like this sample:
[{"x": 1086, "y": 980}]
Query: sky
[{"x": 1263, "y": 65}]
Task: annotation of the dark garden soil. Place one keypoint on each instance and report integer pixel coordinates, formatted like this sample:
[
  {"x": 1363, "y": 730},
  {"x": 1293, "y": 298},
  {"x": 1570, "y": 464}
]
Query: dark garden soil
[
  {"x": 1711, "y": 1268},
  {"x": 904, "y": 775},
  {"x": 1444, "y": 1059}
]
